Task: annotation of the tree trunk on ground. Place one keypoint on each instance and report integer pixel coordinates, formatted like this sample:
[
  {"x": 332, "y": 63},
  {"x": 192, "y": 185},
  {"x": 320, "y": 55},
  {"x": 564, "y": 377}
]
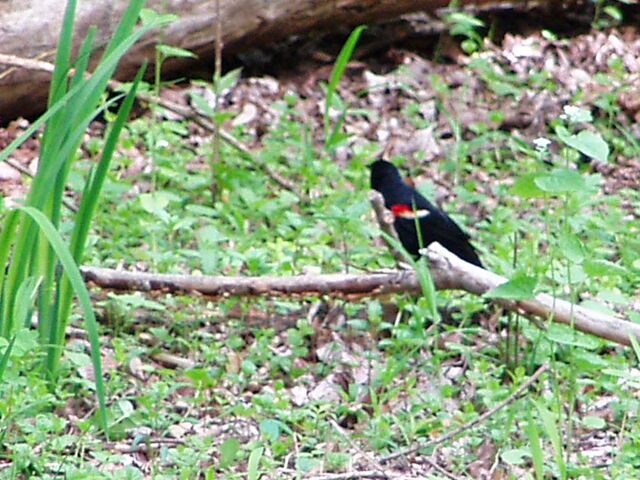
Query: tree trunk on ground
[{"x": 26, "y": 31}]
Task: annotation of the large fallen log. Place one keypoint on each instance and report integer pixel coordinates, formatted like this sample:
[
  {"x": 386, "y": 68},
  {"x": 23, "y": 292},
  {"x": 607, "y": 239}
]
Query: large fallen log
[
  {"x": 448, "y": 271},
  {"x": 30, "y": 30}
]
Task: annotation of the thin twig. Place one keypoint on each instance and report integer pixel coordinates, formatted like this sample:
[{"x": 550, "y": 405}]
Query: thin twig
[
  {"x": 385, "y": 221},
  {"x": 216, "y": 104},
  {"x": 173, "y": 361},
  {"x": 369, "y": 458},
  {"x": 441, "y": 470},
  {"x": 469, "y": 425},
  {"x": 351, "y": 475}
]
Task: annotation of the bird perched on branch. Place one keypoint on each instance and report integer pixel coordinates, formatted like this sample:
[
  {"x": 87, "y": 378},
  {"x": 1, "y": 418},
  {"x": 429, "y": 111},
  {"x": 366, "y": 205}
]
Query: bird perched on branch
[{"x": 410, "y": 209}]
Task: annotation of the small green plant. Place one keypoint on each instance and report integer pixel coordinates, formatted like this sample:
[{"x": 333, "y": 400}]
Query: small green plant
[
  {"x": 467, "y": 26},
  {"x": 608, "y": 13}
]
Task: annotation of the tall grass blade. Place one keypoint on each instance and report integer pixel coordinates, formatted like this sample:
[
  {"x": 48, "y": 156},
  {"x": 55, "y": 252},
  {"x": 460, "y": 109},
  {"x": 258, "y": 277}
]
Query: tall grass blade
[
  {"x": 338, "y": 71},
  {"x": 73, "y": 273},
  {"x": 549, "y": 422},
  {"x": 87, "y": 209},
  {"x": 4, "y": 360},
  {"x": 535, "y": 445}
]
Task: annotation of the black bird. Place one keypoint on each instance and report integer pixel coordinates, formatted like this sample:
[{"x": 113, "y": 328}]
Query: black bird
[{"x": 407, "y": 204}]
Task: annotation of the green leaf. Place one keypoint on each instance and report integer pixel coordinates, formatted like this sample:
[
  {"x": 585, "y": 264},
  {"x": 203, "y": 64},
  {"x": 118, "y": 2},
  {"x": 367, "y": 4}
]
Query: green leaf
[
  {"x": 577, "y": 114},
  {"x": 253, "y": 464},
  {"x": 593, "y": 422},
  {"x": 526, "y": 187},
  {"x": 228, "y": 80},
  {"x": 635, "y": 345},
  {"x": 551, "y": 428},
  {"x": 561, "y": 180},
  {"x": 202, "y": 103},
  {"x": 515, "y": 456},
  {"x": 565, "y": 335},
  {"x": 170, "y": 51},
  {"x": 151, "y": 17},
  {"x": 571, "y": 247},
  {"x": 210, "y": 236},
  {"x": 601, "y": 268},
  {"x": 228, "y": 452},
  {"x": 26, "y": 341},
  {"x": 587, "y": 142},
  {"x": 336, "y": 74},
  {"x": 270, "y": 429},
  {"x": 4, "y": 361},
  {"x": 462, "y": 18},
  {"x": 25, "y": 298},
  {"x": 534, "y": 444},
  {"x": 520, "y": 287}
]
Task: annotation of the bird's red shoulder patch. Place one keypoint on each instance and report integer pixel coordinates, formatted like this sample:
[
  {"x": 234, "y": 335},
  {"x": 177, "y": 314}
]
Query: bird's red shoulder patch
[
  {"x": 401, "y": 209},
  {"x": 404, "y": 210}
]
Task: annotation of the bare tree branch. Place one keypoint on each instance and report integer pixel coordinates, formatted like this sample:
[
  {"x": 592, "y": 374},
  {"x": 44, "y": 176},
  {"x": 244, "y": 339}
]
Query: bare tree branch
[{"x": 448, "y": 271}]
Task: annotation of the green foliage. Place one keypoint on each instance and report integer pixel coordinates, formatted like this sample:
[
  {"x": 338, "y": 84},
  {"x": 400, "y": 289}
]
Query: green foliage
[
  {"x": 30, "y": 237},
  {"x": 551, "y": 231}
]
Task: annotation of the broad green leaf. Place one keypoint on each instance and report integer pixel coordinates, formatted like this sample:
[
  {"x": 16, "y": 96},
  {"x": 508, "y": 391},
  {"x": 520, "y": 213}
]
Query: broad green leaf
[
  {"x": 209, "y": 236},
  {"x": 228, "y": 452},
  {"x": 151, "y": 17},
  {"x": 520, "y": 287},
  {"x": 593, "y": 422},
  {"x": 515, "y": 456},
  {"x": 561, "y": 180},
  {"x": 601, "y": 268},
  {"x": 228, "y": 80},
  {"x": 202, "y": 103},
  {"x": 565, "y": 335},
  {"x": 526, "y": 187},
  {"x": 571, "y": 247},
  {"x": 26, "y": 340},
  {"x": 577, "y": 114},
  {"x": 462, "y": 18},
  {"x": 587, "y": 142},
  {"x": 270, "y": 429}
]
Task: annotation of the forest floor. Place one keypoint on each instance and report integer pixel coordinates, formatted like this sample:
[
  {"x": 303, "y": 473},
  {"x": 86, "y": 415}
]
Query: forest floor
[{"x": 324, "y": 388}]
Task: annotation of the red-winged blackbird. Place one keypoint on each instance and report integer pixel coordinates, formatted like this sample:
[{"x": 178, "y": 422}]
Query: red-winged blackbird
[{"x": 407, "y": 204}]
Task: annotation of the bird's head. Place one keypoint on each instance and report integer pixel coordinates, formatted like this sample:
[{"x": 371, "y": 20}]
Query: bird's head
[{"x": 383, "y": 173}]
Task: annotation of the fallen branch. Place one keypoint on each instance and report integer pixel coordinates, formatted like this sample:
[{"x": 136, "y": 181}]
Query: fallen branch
[
  {"x": 335, "y": 284},
  {"x": 448, "y": 271},
  {"x": 452, "y": 273}
]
